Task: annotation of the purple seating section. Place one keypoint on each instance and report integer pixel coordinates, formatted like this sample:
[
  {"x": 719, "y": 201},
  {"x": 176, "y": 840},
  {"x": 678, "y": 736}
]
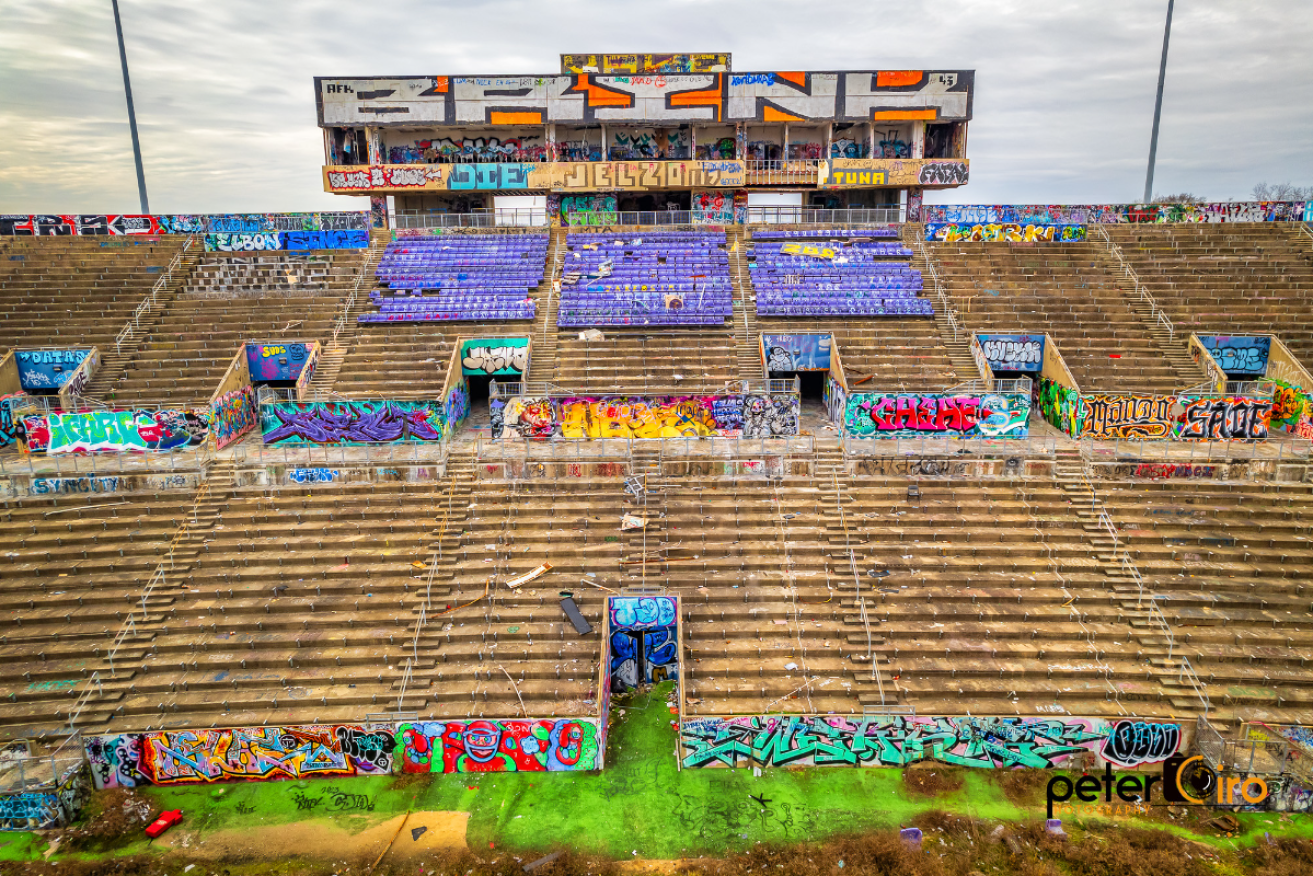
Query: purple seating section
[
  {"x": 484, "y": 277},
  {"x": 867, "y": 278},
  {"x": 835, "y": 234},
  {"x": 655, "y": 278}
]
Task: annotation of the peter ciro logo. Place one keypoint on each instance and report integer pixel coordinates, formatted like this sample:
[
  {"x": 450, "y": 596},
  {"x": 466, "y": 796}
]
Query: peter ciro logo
[{"x": 1185, "y": 781}]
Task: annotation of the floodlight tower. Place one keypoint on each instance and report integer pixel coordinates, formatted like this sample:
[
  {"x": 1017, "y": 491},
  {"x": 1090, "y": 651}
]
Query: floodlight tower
[
  {"x": 132, "y": 113},
  {"x": 1157, "y": 107}
]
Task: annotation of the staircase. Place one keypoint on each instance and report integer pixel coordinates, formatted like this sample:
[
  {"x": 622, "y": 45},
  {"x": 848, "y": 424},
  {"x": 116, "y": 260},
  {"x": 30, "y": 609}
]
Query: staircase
[
  {"x": 114, "y": 360},
  {"x": 745, "y": 306},
  {"x": 959, "y": 347},
  {"x": 543, "y": 364},
  {"x": 330, "y": 359}
]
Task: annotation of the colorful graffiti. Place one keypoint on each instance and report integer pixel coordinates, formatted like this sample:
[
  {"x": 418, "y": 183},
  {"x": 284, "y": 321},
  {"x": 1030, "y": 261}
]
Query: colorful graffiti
[
  {"x": 1223, "y": 419},
  {"x": 584, "y": 210},
  {"x": 1125, "y": 416},
  {"x": 1059, "y": 405},
  {"x": 188, "y": 757},
  {"x": 351, "y": 422},
  {"x": 895, "y": 741},
  {"x": 896, "y": 415},
  {"x": 836, "y": 400},
  {"x": 287, "y": 241},
  {"x": 644, "y": 640},
  {"x": 457, "y": 408},
  {"x": 1013, "y": 352},
  {"x": 46, "y": 808},
  {"x": 47, "y": 369},
  {"x": 1292, "y": 409},
  {"x": 1230, "y": 211},
  {"x": 750, "y": 416},
  {"x": 489, "y": 746},
  {"x": 796, "y": 352},
  {"x": 120, "y": 225},
  {"x": 8, "y": 427},
  {"x": 504, "y": 356},
  {"x": 277, "y": 361},
  {"x": 234, "y": 415},
  {"x": 719, "y": 207},
  {"x": 1239, "y": 356},
  {"x": 1003, "y": 233},
  {"x": 114, "y": 431}
]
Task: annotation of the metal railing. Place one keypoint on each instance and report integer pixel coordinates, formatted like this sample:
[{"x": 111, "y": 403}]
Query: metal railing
[
  {"x": 550, "y": 389},
  {"x": 1156, "y": 616},
  {"x": 1188, "y": 676},
  {"x": 819, "y": 216},
  {"x": 1249, "y": 388},
  {"x": 961, "y": 449},
  {"x": 519, "y": 218},
  {"x": 558, "y": 449},
  {"x": 949, "y": 313},
  {"x": 1159, "y": 316},
  {"x": 583, "y": 219},
  {"x": 366, "y": 271},
  {"x": 134, "y": 322}
]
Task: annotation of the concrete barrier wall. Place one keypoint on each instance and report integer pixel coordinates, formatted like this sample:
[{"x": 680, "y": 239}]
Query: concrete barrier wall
[
  {"x": 118, "y": 224},
  {"x": 911, "y": 415},
  {"x": 899, "y": 740},
  {"x": 1230, "y": 211}
]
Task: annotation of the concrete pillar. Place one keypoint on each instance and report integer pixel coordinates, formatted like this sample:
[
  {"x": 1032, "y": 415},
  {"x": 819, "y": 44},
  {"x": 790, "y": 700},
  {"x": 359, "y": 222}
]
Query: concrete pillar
[
  {"x": 829, "y": 140},
  {"x": 741, "y": 141},
  {"x": 914, "y": 197},
  {"x": 784, "y": 153},
  {"x": 870, "y": 139},
  {"x": 374, "y": 141},
  {"x": 918, "y": 140},
  {"x": 692, "y": 141},
  {"x": 549, "y": 136},
  {"x": 606, "y": 144}
]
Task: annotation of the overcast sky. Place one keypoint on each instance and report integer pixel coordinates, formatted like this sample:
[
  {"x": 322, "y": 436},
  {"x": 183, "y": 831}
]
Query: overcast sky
[{"x": 1063, "y": 108}]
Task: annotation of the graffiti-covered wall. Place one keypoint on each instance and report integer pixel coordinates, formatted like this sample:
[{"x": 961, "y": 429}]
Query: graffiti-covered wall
[
  {"x": 54, "y": 805},
  {"x": 277, "y": 361},
  {"x": 189, "y": 757},
  {"x": 732, "y": 416},
  {"x": 48, "y": 369},
  {"x": 495, "y": 356},
  {"x": 719, "y": 207},
  {"x": 1154, "y": 417},
  {"x": 643, "y": 644},
  {"x": 110, "y": 431},
  {"x": 493, "y": 746},
  {"x": 8, "y": 428},
  {"x": 796, "y": 352},
  {"x": 234, "y": 415},
  {"x": 127, "y": 224},
  {"x": 1241, "y": 357},
  {"x": 1013, "y": 352},
  {"x": 900, "y": 415},
  {"x": 1231, "y": 211},
  {"x": 1003, "y": 232},
  {"x": 895, "y": 741},
  {"x": 374, "y": 421},
  {"x": 287, "y": 241}
]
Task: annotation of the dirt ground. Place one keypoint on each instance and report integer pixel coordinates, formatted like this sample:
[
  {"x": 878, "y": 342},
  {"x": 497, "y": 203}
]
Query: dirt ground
[{"x": 321, "y": 839}]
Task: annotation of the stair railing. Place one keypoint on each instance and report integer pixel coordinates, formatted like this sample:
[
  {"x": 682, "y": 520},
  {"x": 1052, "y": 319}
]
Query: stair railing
[
  {"x": 1159, "y": 317},
  {"x": 944, "y": 302},
  {"x": 148, "y": 302},
  {"x": 1188, "y": 676}
]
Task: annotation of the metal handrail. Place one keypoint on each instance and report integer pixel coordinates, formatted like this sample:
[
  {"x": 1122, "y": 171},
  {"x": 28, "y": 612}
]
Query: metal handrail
[
  {"x": 1188, "y": 675},
  {"x": 1160, "y": 317},
  {"x": 148, "y": 302},
  {"x": 891, "y": 215},
  {"x": 947, "y": 305},
  {"x": 350, "y": 302}
]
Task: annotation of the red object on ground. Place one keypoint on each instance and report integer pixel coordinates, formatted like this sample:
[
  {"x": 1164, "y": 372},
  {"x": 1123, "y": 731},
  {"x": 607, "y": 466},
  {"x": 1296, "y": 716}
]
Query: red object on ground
[{"x": 165, "y": 821}]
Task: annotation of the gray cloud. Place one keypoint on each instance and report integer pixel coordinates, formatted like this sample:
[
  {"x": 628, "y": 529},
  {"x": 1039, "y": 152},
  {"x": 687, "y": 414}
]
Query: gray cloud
[{"x": 225, "y": 102}]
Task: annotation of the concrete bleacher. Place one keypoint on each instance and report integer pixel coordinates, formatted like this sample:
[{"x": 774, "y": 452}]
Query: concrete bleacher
[
  {"x": 76, "y": 290},
  {"x": 1230, "y": 278},
  {"x": 1228, "y": 565},
  {"x": 1074, "y": 292},
  {"x": 225, "y": 301},
  {"x": 293, "y": 604}
]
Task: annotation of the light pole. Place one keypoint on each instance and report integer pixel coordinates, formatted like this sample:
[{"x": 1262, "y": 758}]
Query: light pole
[
  {"x": 132, "y": 113},
  {"x": 1157, "y": 106}
]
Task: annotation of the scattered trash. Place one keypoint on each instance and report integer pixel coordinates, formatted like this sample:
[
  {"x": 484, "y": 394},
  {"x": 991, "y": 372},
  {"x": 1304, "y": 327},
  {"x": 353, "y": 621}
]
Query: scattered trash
[
  {"x": 1054, "y": 826},
  {"x": 790, "y": 666},
  {"x": 878, "y": 573},
  {"x": 911, "y": 836},
  {"x": 632, "y": 521},
  {"x": 417, "y": 832},
  {"x": 163, "y": 822},
  {"x": 592, "y": 335},
  {"x": 546, "y": 859},
  {"x": 581, "y": 625}
]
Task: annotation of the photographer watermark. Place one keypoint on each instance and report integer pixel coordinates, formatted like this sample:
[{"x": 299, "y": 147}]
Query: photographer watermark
[{"x": 1185, "y": 781}]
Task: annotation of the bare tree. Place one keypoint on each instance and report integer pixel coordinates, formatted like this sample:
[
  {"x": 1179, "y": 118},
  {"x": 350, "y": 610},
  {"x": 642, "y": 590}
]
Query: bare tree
[
  {"x": 1183, "y": 198},
  {"x": 1282, "y": 192}
]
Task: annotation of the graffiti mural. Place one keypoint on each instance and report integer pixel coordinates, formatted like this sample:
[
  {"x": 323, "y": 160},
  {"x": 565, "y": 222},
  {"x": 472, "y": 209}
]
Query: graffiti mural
[
  {"x": 276, "y": 362},
  {"x": 120, "y": 225},
  {"x": 733, "y": 416},
  {"x": 114, "y": 431},
  {"x": 719, "y": 207},
  {"x": 583, "y": 210},
  {"x": 189, "y": 757},
  {"x": 1126, "y": 416},
  {"x": 351, "y": 422},
  {"x": 1229, "y": 211},
  {"x": 644, "y": 642},
  {"x": 993, "y": 415},
  {"x": 503, "y": 356},
  {"x": 8, "y": 427},
  {"x": 1239, "y": 356},
  {"x": 1059, "y": 405},
  {"x": 1292, "y": 409},
  {"x": 1013, "y": 352},
  {"x": 457, "y": 408},
  {"x": 47, "y": 369},
  {"x": 490, "y": 746},
  {"x": 1223, "y": 419},
  {"x": 796, "y": 352},
  {"x": 1003, "y": 233},
  {"x": 289, "y": 241},
  {"x": 836, "y": 400},
  {"x": 524, "y": 417},
  {"x": 234, "y": 414},
  {"x": 895, "y": 741}
]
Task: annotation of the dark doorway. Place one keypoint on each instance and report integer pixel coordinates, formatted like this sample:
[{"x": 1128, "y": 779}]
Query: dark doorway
[
  {"x": 811, "y": 384},
  {"x": 479, "y": 390}
]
